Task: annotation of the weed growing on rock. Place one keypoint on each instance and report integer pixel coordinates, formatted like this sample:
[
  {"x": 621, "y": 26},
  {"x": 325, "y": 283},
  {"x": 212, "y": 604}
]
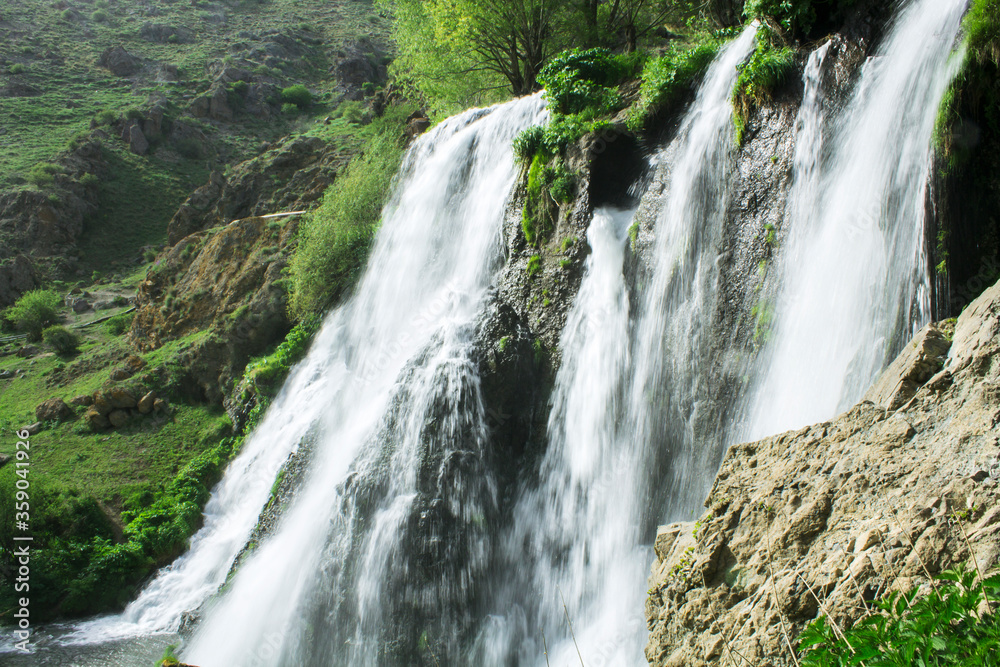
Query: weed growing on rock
[{"x": 943, "y": 627}]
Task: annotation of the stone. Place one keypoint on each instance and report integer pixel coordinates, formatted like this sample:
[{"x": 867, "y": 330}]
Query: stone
[
  {"x": 33, "y": 429},
  {"x": 27, "y": 351},
  {"x": 54, "y": 409},
  {"x": 118, "y": 418},
  {"x": 160, "y": 405},
  {"x": 416, "y": 127},
  {"x": 137, "y": 142},
  {"x": 4, "y": 460},
  {"x": 82, "y": 400},
  {"x": 120, "y": 399},
  {"x": 80, "y": 305},
  {"x": 146, "y": 403},
  {"x": 96, "y": 420},
  {"x": 915, "y": 365},
  {"x": 119, "y": 374},
  {"x": 119, "y": 61},
  {"x": 102, "y": 403}
]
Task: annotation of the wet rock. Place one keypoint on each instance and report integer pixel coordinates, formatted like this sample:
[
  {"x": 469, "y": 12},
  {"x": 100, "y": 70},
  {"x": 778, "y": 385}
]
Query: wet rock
[{"x": 52, "y": 410}]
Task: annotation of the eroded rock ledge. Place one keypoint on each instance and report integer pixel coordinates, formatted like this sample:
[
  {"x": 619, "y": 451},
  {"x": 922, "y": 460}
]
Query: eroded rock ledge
[{"x": 823, "y": 520}]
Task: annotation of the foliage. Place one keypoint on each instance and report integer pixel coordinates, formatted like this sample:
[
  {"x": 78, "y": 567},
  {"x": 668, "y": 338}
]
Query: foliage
[
  {"x": 577, "y": 79},
  {"x": 792, "y": 15},
  {"x": 943, "y": 627},
  {"x": 61, "y": 339},
  {"x": 267, "y": 373},
  {"x": 119, "y": 324},
  {"x": 534, "y": 266},
  {"x": 334, "y": 240},
  {"x": 667, "y": 78},
  {"x": 982, "y": 30},
  {"x": 42, "y": 173},
  {"x": 33, "y": 312},
  {"x": 298, "y": 95},
  {"x": 768, "y": 67}
]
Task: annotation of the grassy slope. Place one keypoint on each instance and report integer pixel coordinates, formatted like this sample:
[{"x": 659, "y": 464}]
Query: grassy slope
[
  {"x": 127, "y": 470},
  {"x": 43, "y": 49}
]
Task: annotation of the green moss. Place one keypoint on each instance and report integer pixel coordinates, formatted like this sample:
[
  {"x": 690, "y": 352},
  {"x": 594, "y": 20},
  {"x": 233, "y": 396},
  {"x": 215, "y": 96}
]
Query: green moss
[{"x": 534, "y": 265}]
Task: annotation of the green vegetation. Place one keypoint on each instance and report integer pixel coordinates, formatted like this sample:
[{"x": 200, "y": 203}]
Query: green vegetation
[
  {"x": 61, "y": 339},
  {"x": 462, "y": 52},
  {"x": 265, "y": 374},
  {"x": 33, "y": 312},
  {"x": 949, "y": 625},
  {"x": 298, "y": 95},
  {"x": 667, "y": 78},
  {"x": 534, "y": 266},
  {"x": 335, "y": 238},
  {"x": 769, "y": 66}
]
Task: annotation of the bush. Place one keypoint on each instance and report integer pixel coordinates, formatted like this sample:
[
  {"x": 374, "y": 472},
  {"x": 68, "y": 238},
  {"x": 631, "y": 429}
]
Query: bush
[
  {"x": 334, "y": 239},
  {"x": 89, "y": 179},
  {"x": 943, "y": 627},
  {"x": 42, "y": 174},
  {"x": 16, "y": 68},
  {"x": 576, "y": 80},
  {"x": 298, "y": 95},
  {"x": 289, "y": 109},
  {"x": 792, "y": 15},
  {"x": 768, "y": 67},
  {"x": 351, "y": 111},
  {"x": 100, "y": 16},
  {"x": 982, "y": 29},
  {"x": 119, "y": 324},
  {"x": 667, "y": 78},
  {"x": 61, "y": 339},
  {"x": 105, "y": 117},
  {"x": 267, "y": 373},
  {"x": 33, "y": 312}
]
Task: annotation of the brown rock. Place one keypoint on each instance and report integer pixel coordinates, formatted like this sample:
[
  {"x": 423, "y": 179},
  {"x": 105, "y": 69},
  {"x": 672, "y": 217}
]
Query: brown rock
[
  {"x": 137, "y": 141},
  {"x": 96, "y": 420},
  {"x": 53, "y": 409},
  {"x": 102, "y": 403},
  {"x": 32, "y": 429},
  {"x": 120, "y": 399},
  {"x": 84, "y": 400},
  {"x": 119, "y": 61},
  {"x": 160, "y": 405},
  {"x": 119, "y": 374},
  {"x": 146, "y": 403},
  {"x": 118, "y": 418},
  {"x": 4, "y": 460}
]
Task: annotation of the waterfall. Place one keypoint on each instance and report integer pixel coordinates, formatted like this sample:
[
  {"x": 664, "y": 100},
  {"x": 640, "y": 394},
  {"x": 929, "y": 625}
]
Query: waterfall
[
  {"x": 575, "y": 549},
  {"x": 854, "y": 275}
]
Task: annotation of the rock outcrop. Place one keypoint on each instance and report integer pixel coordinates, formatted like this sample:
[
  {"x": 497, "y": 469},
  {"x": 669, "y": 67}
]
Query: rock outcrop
[{"x": 823, "y": 520}]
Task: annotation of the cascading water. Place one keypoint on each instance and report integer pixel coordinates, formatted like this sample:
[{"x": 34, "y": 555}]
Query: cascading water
[
  {"x": 854, "y": 281},
  {"x": 402, "y": 421},
  {"x": 577, "y": 538}
]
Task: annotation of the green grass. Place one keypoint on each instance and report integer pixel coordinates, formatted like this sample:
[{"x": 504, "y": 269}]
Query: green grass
[{"x": 666, "y": 79}]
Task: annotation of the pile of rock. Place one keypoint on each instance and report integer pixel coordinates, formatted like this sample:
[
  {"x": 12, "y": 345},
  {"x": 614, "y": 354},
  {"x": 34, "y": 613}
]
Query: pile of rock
[{"x": 108, "y": 408}]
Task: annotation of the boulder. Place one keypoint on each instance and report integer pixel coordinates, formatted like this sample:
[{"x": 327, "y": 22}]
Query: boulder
[
  {"x": 160, "y": 405},
  {"x": 146, "y": 403},
  {"x": 53, "y": 409},
  {"x": 96, "y": 420},
  {"x": 120, "y": 399},
  {"x": 32, "y": 429},
  {"x": 137, "y": 142},
  {"x": 4, "y": 460},
  {"x": 27, "y": 351},
  {"x": 915, "y": 365},
  {"x": 119, "y": 374},
  {"x": 80, "y": 305},
  {"x": 119, "y": 61},
  {"x": 118, "y": 418},
  {"x": 102, "y": 404},
  {"x": 417, "y": 126},
  {"x": 82, "y": 400}
]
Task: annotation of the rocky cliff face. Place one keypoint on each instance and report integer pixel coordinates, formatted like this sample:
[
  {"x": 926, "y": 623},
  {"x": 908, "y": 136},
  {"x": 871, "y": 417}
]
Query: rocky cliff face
[{"x": 823, "y": 520}]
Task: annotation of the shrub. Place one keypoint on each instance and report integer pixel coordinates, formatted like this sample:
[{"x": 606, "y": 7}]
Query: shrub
[
  {"x": 134, "y": 113},
  {"x": 942, "y": 627},
  {"x": 792, "y": 15},
  {"x": 527, "y": 143},
  {"x": 334, "y": 239},
  {"x": 289, "y": 109},
  {"x": 351, "y": 111},
  {"x": 61, "y": 339},
  {"x": 267, "y": 373},
  {"x": 89, "y": 179},
  {"x": 42, "y": 174},
  {"x": 768, "y": 67},
  {"x": 576, "y": 80},
  {"x": 33, "y": 312},
  {"x": 16, "y": 68},
  {"x": 667, "y": 78},
  {"x": 982, "y": 29},
  {"x": 119, "y": 324},
  {"x": 105, "y": 117},
  {"x": 298, "y": 95},
  {"x": 99, "y": 16},
  {"x": 68, "y": 15}
]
